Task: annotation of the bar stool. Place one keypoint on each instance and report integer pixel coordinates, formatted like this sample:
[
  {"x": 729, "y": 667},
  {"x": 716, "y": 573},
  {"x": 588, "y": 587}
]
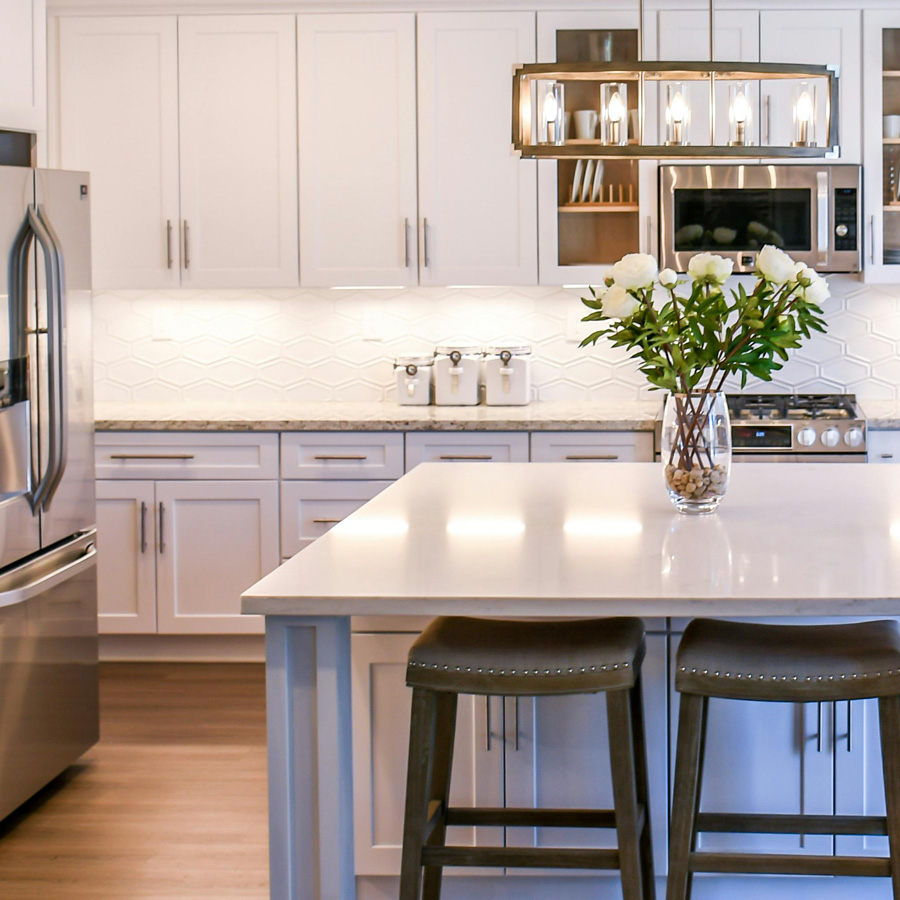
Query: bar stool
[
  {"x": 457, "y": 655},
  {"x": 799, "y": 663}
]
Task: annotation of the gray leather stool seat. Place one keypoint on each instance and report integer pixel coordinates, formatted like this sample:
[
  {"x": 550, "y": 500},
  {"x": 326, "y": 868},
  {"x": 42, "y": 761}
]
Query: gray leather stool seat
[
  {"x": 748, "y": 661},
  {"x": 458, "y": 655},
  {"x": 501, "y": 656},
  {"x": 798, "y": 663}
]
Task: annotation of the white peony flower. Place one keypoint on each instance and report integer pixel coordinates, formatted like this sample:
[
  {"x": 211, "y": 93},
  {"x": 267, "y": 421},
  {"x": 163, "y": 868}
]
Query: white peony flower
[
  {"x": 807, "y": 276},
  {"x": 600, "y": 290},
  {"x": 635, "y": 271},
  {"x": 668, "y": 278},
  {"x": 724, "y": 235},
  {"x": 774, "y": 265},
  {"x": 708, "y": 268},
  {"x": 619, "y": 304},
  {"x": 816, "y": 291}
]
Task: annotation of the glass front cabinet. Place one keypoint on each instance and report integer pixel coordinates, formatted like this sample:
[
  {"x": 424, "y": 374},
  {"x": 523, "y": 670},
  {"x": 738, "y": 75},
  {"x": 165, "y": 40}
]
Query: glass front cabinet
[
  {"x": 881, "y": 89},
  {"x": 593, "y": 212}
]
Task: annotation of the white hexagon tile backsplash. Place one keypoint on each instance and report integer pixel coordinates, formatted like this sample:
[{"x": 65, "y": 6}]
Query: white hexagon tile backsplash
[{"x": 217, "y": 346}]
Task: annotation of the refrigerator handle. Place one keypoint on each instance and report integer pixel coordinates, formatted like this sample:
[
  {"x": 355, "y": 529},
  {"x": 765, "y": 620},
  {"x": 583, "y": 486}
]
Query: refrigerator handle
[
  {"x": 18, "y": 291},
  {"x": 40, "y": 585},
  {"x": 53, "y": 262}
]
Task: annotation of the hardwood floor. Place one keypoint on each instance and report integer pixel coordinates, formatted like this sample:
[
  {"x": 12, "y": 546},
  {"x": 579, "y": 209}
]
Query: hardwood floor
[{"x": 170, "y": 805}]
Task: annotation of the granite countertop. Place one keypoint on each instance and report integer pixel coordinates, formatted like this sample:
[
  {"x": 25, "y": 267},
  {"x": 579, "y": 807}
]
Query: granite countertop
[{"x": 637, "y": 415}]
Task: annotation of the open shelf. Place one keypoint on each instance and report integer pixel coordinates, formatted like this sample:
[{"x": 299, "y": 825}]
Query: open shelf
[
  {"x": 598, "y": 207},
  {"x": 890, "y": 140}
]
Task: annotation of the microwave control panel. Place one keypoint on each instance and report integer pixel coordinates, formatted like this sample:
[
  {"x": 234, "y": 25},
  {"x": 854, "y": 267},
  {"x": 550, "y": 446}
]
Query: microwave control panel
[{"x": 845, "y": 219}]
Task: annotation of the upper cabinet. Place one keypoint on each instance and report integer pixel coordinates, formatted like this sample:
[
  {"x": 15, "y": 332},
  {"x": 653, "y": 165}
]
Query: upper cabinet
[
  {"x": 882, "y": 146},
  {"x": 477, "y": 201},
  {"x": 23, "y": 69},
  {"x": 815, "y": 38},
  {"x": 188, "y": 127},
  {"x": 357, "y": 108}
]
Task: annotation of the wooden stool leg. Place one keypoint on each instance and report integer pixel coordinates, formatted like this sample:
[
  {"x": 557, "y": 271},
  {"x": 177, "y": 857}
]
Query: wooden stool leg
[
  {"x": 686, "y": 796},
  {"x": 889, "y": 716},
  {"x": 624, "y": 779},
  {"x": 643, "y": 788},
  {"x": 444, "y": 734},
  {"x": 418, "y": 778}
]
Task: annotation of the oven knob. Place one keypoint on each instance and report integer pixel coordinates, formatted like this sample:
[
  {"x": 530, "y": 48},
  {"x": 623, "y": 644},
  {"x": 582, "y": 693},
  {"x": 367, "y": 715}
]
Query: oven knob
[
  {"x": 831, "y": 437},
  {"x": 806, "y": 437},
  {"x": 853, "y": 437},
  {"x": 841, "y": 230}
]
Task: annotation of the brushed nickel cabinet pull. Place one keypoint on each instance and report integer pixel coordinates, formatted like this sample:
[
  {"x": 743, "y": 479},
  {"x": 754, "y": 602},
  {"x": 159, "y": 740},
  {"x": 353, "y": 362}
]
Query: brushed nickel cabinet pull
[
  {"x": 887, "y": 455},
  {"x": 187, "y": 253},
  {"x": 347, "y": 457},
  {"x": 151, "y": 456},
  {"x": 449, "y": 457},
  {"x": 427, "y": 252},
  {"x": 327, "y": 521},
  {"x": 168, "y": 243},
  {"x": 586, "y": 457},
  {"x": 143, "y": 527},
  {"x": 162, "y": 543},
  {"x": 407, "y": 256}
]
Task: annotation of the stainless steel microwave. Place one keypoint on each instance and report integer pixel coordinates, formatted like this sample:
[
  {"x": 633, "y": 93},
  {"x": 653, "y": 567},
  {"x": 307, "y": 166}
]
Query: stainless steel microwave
[{"x": 811, "y": 212}]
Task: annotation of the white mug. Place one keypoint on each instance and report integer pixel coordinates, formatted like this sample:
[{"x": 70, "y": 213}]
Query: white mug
[
  {"x": 891, "y": 126},
  {"x": 585, "y": 124}
]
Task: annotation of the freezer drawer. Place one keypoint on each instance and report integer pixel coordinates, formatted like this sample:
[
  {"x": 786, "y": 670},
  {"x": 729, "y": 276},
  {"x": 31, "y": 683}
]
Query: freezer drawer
[{"x": 49, "y": 709}]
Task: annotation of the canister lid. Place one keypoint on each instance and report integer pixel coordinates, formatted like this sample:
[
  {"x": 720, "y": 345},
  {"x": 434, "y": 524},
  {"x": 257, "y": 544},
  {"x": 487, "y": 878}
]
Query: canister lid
[
  {"x": 462, "y": 349},
  {"x": 401, "y": 362},
  {"x": 511, "y": 349}
]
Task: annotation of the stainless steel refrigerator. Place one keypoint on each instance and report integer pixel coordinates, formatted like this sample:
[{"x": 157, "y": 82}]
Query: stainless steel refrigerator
[{"x": 48, "y": 583}]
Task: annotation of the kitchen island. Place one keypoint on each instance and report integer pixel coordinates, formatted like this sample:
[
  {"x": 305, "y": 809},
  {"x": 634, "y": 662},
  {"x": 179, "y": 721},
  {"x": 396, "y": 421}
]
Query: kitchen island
[{"x": 557, "y": 540}]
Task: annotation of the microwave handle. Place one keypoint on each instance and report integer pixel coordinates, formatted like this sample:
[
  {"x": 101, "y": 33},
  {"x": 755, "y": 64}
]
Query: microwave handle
[{"x": 823, "y": 210}]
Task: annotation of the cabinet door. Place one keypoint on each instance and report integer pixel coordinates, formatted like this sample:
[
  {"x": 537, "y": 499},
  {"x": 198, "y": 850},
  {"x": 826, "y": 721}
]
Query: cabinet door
[
  {"x": 476, "y": 199},
  {"x": 23, "y": 74},
  {"x": 237, "y": 91},
  {"x": 764, "y": 758},
  {"x": 126, "y": 571},
  {"x": 477, "y": 446},
  {"x": 214, "y": 540},
  {"x": 557, "y": 755},
  {"x": 815, "y": 38},
  {"x": 381, "y": 708},
  {"x": 883, "y": 446},
  {"x": 357, "y": 123},
  {"x": 118, "y": 119},
  {"x": 607, "y": 446}
]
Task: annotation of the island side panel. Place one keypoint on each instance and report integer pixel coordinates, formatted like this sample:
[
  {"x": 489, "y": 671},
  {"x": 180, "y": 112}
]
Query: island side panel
[{"x": 310, "y": 758}]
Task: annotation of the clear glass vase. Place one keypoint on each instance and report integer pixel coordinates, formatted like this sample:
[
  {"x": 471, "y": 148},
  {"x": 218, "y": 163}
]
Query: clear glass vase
[{"x": 696, "y": 450}]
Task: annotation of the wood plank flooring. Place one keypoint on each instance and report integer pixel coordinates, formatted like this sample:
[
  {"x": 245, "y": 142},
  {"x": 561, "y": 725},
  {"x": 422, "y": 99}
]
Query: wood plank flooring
[{"x": 170, "y": 805}]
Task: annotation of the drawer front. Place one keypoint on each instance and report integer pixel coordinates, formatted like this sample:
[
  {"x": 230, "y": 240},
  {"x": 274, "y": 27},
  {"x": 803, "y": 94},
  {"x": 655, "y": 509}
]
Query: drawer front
[
  {"x": 468, "y": 447},
  {"x": 360, "y": 455},
  {"x": 310, "y": 508},
  {"x": 596, "y": 446},
  {"x": 186, "y": 456},
  {"x": 883, "y": 446}
]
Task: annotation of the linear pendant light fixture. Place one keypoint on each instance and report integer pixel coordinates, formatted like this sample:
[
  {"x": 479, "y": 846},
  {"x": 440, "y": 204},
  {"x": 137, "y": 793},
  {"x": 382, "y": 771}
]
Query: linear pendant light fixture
[{"x": 539, "y": 121}]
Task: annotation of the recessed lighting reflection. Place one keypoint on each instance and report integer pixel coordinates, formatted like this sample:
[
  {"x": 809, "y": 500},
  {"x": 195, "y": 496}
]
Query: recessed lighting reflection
[
  {"x": 895, "y": 531},
  {"x": 485, "y": 527},
  {"x": 372, "y": 527},
  {"x": 594, "y": 526}
]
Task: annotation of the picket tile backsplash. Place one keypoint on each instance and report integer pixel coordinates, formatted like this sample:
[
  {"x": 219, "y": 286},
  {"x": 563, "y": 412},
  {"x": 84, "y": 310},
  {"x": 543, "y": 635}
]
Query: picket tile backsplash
[{"x": 307, "y": 345}]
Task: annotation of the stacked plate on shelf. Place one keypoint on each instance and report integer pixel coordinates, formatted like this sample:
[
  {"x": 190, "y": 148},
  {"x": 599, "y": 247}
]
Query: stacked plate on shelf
[{"x": 588, "y": 181}]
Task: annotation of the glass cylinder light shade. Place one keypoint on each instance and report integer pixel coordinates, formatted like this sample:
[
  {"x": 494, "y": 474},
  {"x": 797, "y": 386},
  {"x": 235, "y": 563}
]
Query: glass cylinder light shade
[
  {"x": 553, "y": 114},
  {"x": 678, "y": 115},
  {"x": 739, "y": 113},
  {"x": 804, "y": 106},
  {"x": 614, "y": 114}
]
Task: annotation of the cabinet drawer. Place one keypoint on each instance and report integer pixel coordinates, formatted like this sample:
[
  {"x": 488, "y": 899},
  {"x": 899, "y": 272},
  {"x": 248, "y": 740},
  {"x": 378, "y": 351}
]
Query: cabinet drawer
[
  {"x": 320, "y": 455},
  {"x": 605, "y": 446},
  {"x": 186, "y": 456},
  {"x": 310, "y": 508},
  {"x": 469, "y": 447},
  {"x": 883, "y": 446}
]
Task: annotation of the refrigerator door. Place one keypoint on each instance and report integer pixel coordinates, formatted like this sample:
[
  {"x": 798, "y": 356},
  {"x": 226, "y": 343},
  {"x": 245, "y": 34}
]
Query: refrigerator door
[
  {"x": 65, "y": 361},
  {"x": 49, "y": 707},
  {"x": 19, "y": 527}
]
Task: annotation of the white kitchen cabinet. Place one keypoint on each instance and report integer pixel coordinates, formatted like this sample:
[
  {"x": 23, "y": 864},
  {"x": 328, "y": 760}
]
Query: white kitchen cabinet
[
  {"x": 883, "y": 446},
  {"x": 381, "y": 708},
  {"x": 476, "y": 446},
  {"x": 214, "y": 540},
  {"x": 116, "y": 98},
  {"x": 881, "y": 186},
  {"x": 23, "y": 66},
  {"x": 815, "y": 37},
  {"x": 342, "y": 455},
  {"x": 357, "y": 125},
  {"x": 126, "y": 560},
  {"x": 311, "y": 508},
  {"x": 476, "y": 199},
  {"x": 577, "y": 243},
  {"x": 237, "y": 93},
  {"x": 579, "y": 446}
]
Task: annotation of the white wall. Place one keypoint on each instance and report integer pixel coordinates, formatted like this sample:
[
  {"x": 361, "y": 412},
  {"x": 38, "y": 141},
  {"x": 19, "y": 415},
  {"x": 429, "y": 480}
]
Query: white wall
[{"x": 311, "y": 345}]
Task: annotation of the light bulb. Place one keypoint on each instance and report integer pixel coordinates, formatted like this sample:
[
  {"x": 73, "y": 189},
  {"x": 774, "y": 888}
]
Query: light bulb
[
  {"x": 616, "y": 109},
  {"x": 678, "y": 108},
  {"x": 804, "y": 108},
  {"x": 740, "y": 109},
  {"x": 551, "y": 107}
]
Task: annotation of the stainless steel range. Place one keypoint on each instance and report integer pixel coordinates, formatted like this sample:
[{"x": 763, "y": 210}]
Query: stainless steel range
[{"x": 797, "y": 428}]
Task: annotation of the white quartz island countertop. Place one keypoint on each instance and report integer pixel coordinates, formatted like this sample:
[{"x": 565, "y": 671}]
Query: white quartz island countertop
[{"x": 553, "y": 539}]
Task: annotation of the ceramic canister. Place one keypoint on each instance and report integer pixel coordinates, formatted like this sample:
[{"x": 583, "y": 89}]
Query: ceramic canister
[
  {"x": 456, "y": 375},
  {"x": 507, "y": 375},
  {"x": 413, "y": 375}
]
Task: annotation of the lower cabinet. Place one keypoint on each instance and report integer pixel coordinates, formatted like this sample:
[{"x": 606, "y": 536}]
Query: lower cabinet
[
  {"x": 548, "y": 751},
  {"x": 175, "y": 555}
]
